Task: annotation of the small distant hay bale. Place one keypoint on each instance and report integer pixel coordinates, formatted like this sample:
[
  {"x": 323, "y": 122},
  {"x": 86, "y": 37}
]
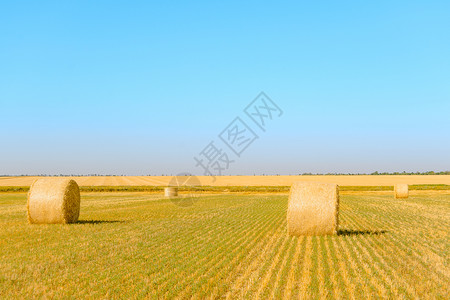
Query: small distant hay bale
[
  {"x": 170, "y": 191},
  {"x": 53, "y": 201},
  {"x": 313, "y": 209},
  {"x": 401, "y": 191}
]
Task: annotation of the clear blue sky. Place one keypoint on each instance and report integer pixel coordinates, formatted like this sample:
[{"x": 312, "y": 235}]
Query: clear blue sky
[{"x": 141, "y": 87}]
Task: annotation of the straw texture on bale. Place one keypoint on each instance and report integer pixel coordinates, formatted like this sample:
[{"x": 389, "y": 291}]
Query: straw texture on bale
[
  {"x": 313, "y": 209},
  {"x": 401, "y": 191},
  {"x": 170, "y": 191},
  {"x": 53, "y": 201}
]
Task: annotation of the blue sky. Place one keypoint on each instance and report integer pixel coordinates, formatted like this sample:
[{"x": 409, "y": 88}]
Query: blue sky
[{"x": 141, "y": 87}]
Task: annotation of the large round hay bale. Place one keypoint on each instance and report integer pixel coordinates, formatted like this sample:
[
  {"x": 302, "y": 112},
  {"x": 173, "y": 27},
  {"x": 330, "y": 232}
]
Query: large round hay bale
[
  {"x": 170, "y": 191},
  {"x": 401, "y": 191},
  {"x": 313, "y": 209},
  {"x": 53, "y": 200}
]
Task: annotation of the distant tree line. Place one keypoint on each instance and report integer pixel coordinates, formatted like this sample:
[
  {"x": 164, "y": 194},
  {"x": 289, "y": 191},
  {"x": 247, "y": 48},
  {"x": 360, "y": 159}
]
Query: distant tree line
[
  {"x": 385, "y": 173},
  {"x": 306, "y": 174}
]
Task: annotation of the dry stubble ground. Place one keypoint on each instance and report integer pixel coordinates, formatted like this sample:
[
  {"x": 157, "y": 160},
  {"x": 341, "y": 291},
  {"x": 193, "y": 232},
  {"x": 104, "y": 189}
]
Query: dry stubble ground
[{"x": 234, "y": 246}]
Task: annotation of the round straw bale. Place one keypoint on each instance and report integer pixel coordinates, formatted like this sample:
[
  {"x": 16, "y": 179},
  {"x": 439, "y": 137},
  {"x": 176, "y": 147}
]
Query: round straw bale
[
  {"x": 401, "y": 191},
  {"x": 53, "y": 200},
  {"x": 313, "y": 208},
  {"x": 170, "y": 191}
]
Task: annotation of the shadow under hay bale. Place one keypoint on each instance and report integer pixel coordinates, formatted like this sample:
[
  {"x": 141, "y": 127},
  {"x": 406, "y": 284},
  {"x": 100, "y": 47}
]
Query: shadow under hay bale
[
  {"x": 360, "y": 232},
  {"x": 98, "y": 222}
]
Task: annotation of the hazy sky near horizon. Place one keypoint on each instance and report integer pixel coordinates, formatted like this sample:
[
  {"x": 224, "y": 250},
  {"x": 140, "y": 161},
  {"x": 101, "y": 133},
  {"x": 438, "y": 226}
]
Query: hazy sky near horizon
[{"x": 141, "y": 87}]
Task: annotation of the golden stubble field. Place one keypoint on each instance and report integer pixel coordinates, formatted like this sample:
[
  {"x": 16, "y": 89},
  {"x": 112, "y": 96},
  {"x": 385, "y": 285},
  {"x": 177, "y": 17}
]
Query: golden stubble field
[
  {"x": 141, "y": 245},
  {"x": 343, "y": 180}
]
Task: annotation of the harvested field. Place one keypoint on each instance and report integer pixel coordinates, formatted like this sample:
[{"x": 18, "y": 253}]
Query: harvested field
[
  {"x": 341, "y": 180},
  {"x": 236, "y": 246}
]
